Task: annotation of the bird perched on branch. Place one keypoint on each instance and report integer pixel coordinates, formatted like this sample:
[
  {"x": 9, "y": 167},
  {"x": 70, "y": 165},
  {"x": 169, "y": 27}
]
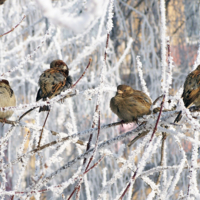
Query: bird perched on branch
[
  {"x": 191, "y": 93},
  {"x": 7, "y": 98},
  {"x": 129, "y": 104},
  {"x": 53, "y": 81}
]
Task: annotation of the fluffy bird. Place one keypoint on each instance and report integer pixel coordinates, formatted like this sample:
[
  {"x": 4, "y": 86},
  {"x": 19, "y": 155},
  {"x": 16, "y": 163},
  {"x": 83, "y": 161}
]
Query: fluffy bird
[
  {"x": 191, "y": 93},
  {"x": 53, "y": 81},
  {"x": 7, "y": 97},
  {"x": 129, "y": 104}
]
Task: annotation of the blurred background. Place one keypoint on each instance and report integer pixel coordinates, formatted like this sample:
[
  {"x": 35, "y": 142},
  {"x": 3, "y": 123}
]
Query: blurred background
[{"x": 74, "y": 31}]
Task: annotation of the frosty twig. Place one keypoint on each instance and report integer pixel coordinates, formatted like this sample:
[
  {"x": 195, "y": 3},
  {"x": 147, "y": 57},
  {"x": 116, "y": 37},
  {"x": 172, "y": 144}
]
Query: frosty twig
[{"x": 14, "y": 27}]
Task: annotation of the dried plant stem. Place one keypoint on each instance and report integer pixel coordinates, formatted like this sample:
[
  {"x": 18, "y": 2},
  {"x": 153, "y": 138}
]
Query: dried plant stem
[
  {"x": 107, "y": 40},
  {"x": 97, "y": 106},
  {"x": 43, "y": 129},
  {"x": 78, "y": 185},
  {"x": 27, "y": 112},
  {"x": 60, "y": 141},
  {"x": 5, "y": 121},
  {"x": 164, "y": 136},
  {"x": 86, "y": 169},
  {"x": 140, "y": 135},
  {"x": 60, "y": 185},
  {"x": 91, "y": 158},
  {"x": 90, "y": 60},
  {"x": 155, "y": 101},
  {"x": 14, "y": 27}
]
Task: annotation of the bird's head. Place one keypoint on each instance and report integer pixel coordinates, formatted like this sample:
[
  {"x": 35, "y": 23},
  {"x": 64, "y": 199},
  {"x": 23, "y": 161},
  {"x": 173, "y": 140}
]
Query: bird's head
[
  {"x": 124, "y": 90},
  {"x": 4, "y": 81},
  {"x": 60, "y": 64}
]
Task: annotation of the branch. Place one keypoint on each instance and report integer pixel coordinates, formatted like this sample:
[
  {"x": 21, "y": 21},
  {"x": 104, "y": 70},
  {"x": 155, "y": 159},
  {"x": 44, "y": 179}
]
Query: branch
[
  {"x": 89, "y": 131},
  {"x": 14, "y": 27},
  {"x": 40, "y": 138},
  {"x": 97, "y": 105},
  {"x": 164, "y": 136},
  {"x": 77, "y": 187},
  {"x": 90, "y": 60}
]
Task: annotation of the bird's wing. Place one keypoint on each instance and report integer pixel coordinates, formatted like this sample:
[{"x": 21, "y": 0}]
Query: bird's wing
[
  {"x": 191, "y": 88},
  {"x": 113, "y": 105},
  {"x": 51, "y": 82},
  {"x": 142, "y": 97},
  {"x": 39, "y": 93}
]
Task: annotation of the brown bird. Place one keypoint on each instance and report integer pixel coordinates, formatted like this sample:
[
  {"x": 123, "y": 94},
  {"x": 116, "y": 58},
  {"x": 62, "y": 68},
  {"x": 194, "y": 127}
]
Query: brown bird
[
  {"x": 2, "y": 1},
  {"x": 191, "y": 93},
  {"x": 129, "y": 104},
  {"x": 53, "y": 81},
  {"x": 7, "y": 97}
]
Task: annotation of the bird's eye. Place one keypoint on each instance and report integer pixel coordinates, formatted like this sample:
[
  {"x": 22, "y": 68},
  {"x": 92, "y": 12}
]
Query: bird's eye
[{"x": 124, "y": 90}]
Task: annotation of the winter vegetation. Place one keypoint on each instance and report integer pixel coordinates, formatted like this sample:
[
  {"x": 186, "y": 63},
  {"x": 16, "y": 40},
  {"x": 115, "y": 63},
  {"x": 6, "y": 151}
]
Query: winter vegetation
[{"x": 83, "y": 153}]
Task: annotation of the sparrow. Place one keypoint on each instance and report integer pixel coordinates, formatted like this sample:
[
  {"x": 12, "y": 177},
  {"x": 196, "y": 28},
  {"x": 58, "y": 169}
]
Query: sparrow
[
  {"x": 7, "y": 98},
  {"x": 191, "y": 92},
  {"x": 53, "y": 81},
  {"x": 129, "y": 104},
  {"x": 2, "y": 1}
]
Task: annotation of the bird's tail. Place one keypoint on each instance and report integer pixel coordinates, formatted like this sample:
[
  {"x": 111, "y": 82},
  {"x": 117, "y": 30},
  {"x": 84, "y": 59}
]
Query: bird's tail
[
  {"x": 178, "y": 118},
  {"x": 44, "y": 108}
]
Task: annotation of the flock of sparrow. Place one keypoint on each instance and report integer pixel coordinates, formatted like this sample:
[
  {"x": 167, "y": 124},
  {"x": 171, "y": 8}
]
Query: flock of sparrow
[{"x": 128, "y": 104}]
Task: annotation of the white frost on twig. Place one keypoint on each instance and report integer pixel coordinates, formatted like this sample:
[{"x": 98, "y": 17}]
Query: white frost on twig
[
  {"x": 142, "y": 81},
  {"x": 163, "y": 46}
]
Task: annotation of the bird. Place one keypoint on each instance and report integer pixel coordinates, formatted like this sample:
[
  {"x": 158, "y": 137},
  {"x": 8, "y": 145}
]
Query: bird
[
  {"x": 2, "y": 1},
  {"x": 7, "y": 97},
  {"x": 53, "y": 81},
  {"x": 191, "y": 92},
  {"x": 129, "y": 104}
]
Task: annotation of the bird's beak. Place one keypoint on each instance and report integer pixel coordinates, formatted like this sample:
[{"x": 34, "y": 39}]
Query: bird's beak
[
  {"x": 65, "y": 67},
  {"x": 119, "y": 92}
]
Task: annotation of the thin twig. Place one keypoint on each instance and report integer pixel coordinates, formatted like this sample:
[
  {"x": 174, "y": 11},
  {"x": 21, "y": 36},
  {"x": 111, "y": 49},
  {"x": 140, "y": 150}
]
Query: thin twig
[
  {"x": 107, "y": 40},
  {"x": 61, "y": 141},
  {"x": 146, "y": 173},
  {"x": 91, "y": 158},
  {"x": 27, "y": 112},
  {"x": 95, "y": 164},
  {"x": 14, "y": 27},
  {"x": 78, "y": 185},
  {"x": 90, "y": 60},
  {"x": 86, "y": 169},
  {"x": 164, "y": 136},
  {"x": 90, "y": 138},
  {"x": 60, "y": 185},
  {"x": 43, "y": 129},
  {"x": 97, "y": 106},
  {"x": 155, "y": 128},
  {"x": 73, "y": 136},
  {"x": 155, "y": 101},
  {"x": 5, "y": 121}
]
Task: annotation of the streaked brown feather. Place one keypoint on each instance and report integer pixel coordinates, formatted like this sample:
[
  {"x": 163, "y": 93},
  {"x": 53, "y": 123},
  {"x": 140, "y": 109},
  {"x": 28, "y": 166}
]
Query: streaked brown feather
[
  {"x": 191, "y": 93},
  {"x": 130, "y": 104},
  {"x": 53, "y": 81}
]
